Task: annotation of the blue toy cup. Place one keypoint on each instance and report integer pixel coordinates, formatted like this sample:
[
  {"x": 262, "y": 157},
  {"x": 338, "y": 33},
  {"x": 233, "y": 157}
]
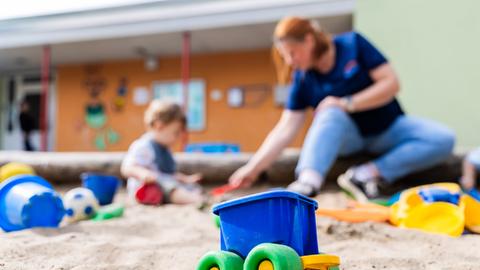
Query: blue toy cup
[
  {"x": 280, "y": 217},
  {"x": 103, "y": 186},
  {"x": 28, "y": 201}
]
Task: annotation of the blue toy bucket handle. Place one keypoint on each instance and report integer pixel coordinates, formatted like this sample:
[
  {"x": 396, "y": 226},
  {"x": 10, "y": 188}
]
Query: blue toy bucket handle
[
  {"x": 28, "y": 201},
  {"x": 431, "y": 195}
]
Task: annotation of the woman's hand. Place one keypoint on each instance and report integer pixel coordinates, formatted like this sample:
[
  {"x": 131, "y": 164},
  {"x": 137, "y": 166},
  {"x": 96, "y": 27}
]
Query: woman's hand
[
  {"x": 330, "y": 102},
  {"x": 243, "y": 177}
]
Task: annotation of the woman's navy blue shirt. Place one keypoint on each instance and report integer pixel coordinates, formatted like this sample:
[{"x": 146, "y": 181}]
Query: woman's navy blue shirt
[{"x": 355, "y": 58}]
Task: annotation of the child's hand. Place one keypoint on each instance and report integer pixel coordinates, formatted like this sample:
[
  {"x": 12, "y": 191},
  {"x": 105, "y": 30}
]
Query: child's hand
[
  {"x": 191, "y": 179},
  {"x": 467, "y": 183},
  {"x": 149, "y": 177}
]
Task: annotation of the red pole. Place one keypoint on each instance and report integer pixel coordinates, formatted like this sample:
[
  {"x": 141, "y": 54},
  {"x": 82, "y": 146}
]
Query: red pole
[
  {"x": 185, "y": 78},
  {"x": 44, "y": 97},
  {"x": 185, "y": 68}
]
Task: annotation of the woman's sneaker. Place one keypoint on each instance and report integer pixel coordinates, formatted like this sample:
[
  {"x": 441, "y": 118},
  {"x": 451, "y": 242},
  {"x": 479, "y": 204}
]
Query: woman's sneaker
[
  {"x": 303, "y": 188},
  {"x": 362, "y": 191}
]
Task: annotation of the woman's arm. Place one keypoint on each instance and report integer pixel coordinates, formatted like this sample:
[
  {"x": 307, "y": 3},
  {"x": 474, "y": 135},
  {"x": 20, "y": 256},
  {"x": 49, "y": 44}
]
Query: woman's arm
[
  {"x": 281, "y": 135},
  {"x": 381, "y": 92}
]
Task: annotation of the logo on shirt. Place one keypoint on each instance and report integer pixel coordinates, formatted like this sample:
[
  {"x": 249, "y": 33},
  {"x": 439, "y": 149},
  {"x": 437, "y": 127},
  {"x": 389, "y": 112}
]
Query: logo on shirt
[{"x": 350, "y": 68}]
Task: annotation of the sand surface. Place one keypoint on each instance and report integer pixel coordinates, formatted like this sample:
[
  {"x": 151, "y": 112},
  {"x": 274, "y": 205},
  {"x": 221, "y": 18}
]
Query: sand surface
[{"x": 175, "y": 237}]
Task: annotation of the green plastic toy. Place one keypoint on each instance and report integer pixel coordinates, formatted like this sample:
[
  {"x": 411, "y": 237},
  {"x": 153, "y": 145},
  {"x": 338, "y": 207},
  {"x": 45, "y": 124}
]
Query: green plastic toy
[{"x": 109, "y": 211}]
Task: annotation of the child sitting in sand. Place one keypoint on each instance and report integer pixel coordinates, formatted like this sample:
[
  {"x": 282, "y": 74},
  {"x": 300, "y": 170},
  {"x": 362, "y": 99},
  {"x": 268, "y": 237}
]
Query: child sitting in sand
[
  {"x": 471, "y": 165},
  {"x": 149, "y": 159}
]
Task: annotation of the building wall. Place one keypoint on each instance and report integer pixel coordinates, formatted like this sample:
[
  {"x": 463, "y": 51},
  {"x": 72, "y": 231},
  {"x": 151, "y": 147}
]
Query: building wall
[
  {"x": 246, "y": 126},
  {"x": 434, "y": 47},
  {"x": 3, "y": 111}
]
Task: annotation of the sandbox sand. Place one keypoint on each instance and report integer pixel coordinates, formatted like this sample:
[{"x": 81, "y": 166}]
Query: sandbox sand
[{"x": 175, "y": 237}]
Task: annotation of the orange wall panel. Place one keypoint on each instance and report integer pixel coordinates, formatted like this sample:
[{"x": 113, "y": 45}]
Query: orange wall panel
[{"x": 247, "y": 126}]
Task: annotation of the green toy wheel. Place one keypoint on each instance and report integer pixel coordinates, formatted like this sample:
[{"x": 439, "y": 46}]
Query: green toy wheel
[
  {"x": 274, "y": 257},
  {"x": 220, "y": 260},
  {"x": 333, "y": 268}
]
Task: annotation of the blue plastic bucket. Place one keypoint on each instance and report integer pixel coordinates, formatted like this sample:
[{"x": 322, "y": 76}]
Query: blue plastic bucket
[
  {"x": 28, "y": 201},
  {"x": 103, "y": 186},
  {"x": 280, "y": 217}
]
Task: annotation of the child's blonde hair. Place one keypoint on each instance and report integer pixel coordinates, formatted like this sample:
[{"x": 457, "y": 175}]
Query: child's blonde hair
[{"x": 164, "y": 111}]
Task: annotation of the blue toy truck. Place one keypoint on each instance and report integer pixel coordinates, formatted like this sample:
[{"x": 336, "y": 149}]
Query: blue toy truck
[{"x": 274, "y": 230}]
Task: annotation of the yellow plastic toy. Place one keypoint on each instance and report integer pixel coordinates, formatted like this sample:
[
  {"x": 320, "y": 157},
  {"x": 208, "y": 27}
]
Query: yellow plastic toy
[
  {"x": 472, "y": 213},
  {"x": 14, "y": 168},
  {"x": 410, "y": 198},
  {"x": 437, "y": 208},
  {"x": 438, "y": 217},
  {"x": 411, "y": 211}
]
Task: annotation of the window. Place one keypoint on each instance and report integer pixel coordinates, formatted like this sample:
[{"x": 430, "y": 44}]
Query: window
[{"x": 173, "y": 91}]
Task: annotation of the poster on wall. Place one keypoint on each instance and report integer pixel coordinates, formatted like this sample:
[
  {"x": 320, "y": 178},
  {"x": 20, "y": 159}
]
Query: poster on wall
[
  {"x": 173, "y": 91},
  {"x": 95, "y": 127},
  {"x": 141, "y": 96},
  {"x": 121, "y": 92}
]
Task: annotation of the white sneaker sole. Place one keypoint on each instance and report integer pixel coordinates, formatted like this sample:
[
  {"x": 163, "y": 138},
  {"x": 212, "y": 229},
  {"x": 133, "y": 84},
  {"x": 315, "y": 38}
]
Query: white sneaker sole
[
  {"x": 345, "y": 184},
  {"x": 302, "y": 188}
]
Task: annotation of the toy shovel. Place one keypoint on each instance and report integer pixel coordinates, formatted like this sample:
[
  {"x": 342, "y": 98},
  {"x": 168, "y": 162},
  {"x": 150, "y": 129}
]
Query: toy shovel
[{"x": 219, "y": 191}]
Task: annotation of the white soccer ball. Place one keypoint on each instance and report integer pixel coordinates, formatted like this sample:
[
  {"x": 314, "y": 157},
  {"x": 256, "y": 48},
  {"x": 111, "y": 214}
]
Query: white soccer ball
[{"x": 80, "y": 204}]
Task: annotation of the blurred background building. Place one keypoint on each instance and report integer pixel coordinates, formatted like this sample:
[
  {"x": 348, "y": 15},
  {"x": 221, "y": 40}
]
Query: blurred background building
[{"x": 101, "y": 66}]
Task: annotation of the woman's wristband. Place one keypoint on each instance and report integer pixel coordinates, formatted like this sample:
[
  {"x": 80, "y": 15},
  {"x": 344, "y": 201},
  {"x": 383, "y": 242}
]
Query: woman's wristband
[{"x": 349, "y": 106}]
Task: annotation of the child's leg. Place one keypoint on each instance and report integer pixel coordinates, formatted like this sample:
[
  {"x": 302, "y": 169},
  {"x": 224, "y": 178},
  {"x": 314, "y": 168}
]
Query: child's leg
[
  {"x": 178, "y": 193},
  {"x": 181, "y": 195}
]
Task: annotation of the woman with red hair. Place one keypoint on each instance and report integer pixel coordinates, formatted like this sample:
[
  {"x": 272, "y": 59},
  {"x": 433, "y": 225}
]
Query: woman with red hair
[{"x": 352, "y": 88}]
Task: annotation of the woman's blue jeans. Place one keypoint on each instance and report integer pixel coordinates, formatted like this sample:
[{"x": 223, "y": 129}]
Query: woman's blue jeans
[{"x": 410, "y": 144}]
